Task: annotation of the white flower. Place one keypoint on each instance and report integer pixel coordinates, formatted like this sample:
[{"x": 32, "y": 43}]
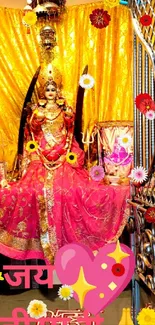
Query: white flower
[
  {"x": 37, "y": 309},
  {"x": 139, "y": 174},
  {"x": 125, "y": 140},
  {"x": 65, "y": 292},
  {"x": 86, "y": 81},
  {"x": 150, "y": 115}
]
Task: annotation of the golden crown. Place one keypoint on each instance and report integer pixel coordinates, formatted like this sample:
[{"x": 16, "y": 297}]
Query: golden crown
[{"x": 49, "y": 72}]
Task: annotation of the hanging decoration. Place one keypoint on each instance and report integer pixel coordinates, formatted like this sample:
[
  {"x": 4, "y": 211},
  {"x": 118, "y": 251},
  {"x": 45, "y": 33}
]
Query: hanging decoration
[
  {"x": 100, "y": 18},
  {"x": 42, "y": 14},
  {"x": 30, "y": 18}
]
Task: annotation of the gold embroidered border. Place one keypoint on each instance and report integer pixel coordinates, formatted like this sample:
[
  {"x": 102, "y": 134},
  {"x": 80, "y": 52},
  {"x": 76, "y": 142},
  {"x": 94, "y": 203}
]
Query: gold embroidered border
[
  {"x": 22, "y": 244},
  {"x": 115, "y": 123},
  {"x": 47, "y": 233}
]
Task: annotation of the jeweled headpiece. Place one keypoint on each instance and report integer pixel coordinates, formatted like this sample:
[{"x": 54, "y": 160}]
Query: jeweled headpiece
[{"x": 49, "y": 73}]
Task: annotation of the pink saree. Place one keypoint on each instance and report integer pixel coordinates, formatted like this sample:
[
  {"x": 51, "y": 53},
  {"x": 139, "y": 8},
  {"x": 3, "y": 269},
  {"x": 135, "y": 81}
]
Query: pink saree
[{"x": 48, "y": 208}]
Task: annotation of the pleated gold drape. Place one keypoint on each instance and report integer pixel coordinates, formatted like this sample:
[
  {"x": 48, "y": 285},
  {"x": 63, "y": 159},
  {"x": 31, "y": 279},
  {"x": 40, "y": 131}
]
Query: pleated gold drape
[{"x": 108, "y": 53}]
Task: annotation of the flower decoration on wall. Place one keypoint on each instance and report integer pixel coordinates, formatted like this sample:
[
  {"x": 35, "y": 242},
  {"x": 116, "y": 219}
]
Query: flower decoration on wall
[
  {"x": 111, "y": 3},
  {"x": 37, "y": 309},
  {"x": 125, "y": 140},
  {"x": 146, "y": 317},
  {"x": 139, "y": 174},
  {"x": 97, "y": 173},
  {"x": 146, "y": 20},
  {"x": 150, "y": 115},
  {"x": 86, "y": 81},
  {"x": 31, "y": 146},
  {"x": 150, "y": 215},
  {"x": 71, "y": 157},
  {"x": 146, "y": 105},
  {"x": 100, "y": 18},
  {"x": 65, "y": 292},
  {"x": 140, "y": 99}
]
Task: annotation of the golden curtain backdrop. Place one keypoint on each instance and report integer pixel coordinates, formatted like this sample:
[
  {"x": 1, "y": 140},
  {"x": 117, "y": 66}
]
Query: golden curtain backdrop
[{"x": 108, "y": 53}]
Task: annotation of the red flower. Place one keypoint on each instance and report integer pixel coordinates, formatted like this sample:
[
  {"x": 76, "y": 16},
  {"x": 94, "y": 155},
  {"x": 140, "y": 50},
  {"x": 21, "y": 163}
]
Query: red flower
[
  {"x": 150, "y": 215},
  {"x": 147, "y": 105},
  {"x": 100, "y": 18},
  {"x": 146, "y": 20},
  {"x": 140, "y": 98},
  {"x": 118, "y": 269}
]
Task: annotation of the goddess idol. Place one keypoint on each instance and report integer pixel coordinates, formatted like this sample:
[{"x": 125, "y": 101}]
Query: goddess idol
[{"x": 55, "y": 202}]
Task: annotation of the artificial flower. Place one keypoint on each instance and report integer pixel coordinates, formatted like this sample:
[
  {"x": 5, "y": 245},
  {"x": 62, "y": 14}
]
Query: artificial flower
[
  {"x": 86, "y": 81},
  {"x": 30, "y": 18},
  {"x": 139, "y": 174},
  {"x": 118, "y": 269},
  {"x": 37, "y": 309},
  {"x": 111, "y": 3},
  {"x": 146, "y": 317},
  {"x": 31, "y": 146},
  {"x": 71, "y": 157},
  {"x": 140, "y": 98},
  {"x": 97, "y": 173},
  {"x": 146, "y": 20},
  {"x": 150, "y": 215},
  {"x": 125, "y": 140},
  {"x": 99, "y": 18},
  {"x": 147, "y": 105},
  {"x": 150, "y": 115},
  {"x": 65, "y": 292}
]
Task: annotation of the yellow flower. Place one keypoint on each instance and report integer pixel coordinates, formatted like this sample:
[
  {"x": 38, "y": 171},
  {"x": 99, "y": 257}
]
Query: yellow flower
[
  {"x": 37, "y": 309},
  {"x": 31, "y": 146},
  {"x": 71, "y": 157},
  {"x": 146, "y": 317},
  {"x": 65, "y": 292},
  {"x": 30, "y": 18},
  {"x": 111, "y": 3}
]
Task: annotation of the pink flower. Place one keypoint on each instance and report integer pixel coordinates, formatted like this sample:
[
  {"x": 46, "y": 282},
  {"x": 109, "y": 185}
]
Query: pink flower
[
  {"x": 97, "y": 173},
  {"x": 139, "y": 174},
  {"x": 150, "y": 115}
]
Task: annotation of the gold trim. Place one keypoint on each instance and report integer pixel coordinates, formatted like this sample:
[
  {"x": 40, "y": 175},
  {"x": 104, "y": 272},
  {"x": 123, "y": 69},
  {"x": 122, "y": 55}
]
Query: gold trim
[
  {"x": 19, "y": 243},
  {"x": 114, "y": 123}
]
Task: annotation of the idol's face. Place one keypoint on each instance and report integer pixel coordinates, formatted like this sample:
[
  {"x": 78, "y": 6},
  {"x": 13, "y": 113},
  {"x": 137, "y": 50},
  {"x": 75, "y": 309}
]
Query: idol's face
[{"x": 50, "y": 92}]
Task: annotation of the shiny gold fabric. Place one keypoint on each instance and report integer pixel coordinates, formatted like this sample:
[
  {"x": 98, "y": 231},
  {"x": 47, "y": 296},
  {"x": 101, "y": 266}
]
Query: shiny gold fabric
[{"x": 108, "y": 53}]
